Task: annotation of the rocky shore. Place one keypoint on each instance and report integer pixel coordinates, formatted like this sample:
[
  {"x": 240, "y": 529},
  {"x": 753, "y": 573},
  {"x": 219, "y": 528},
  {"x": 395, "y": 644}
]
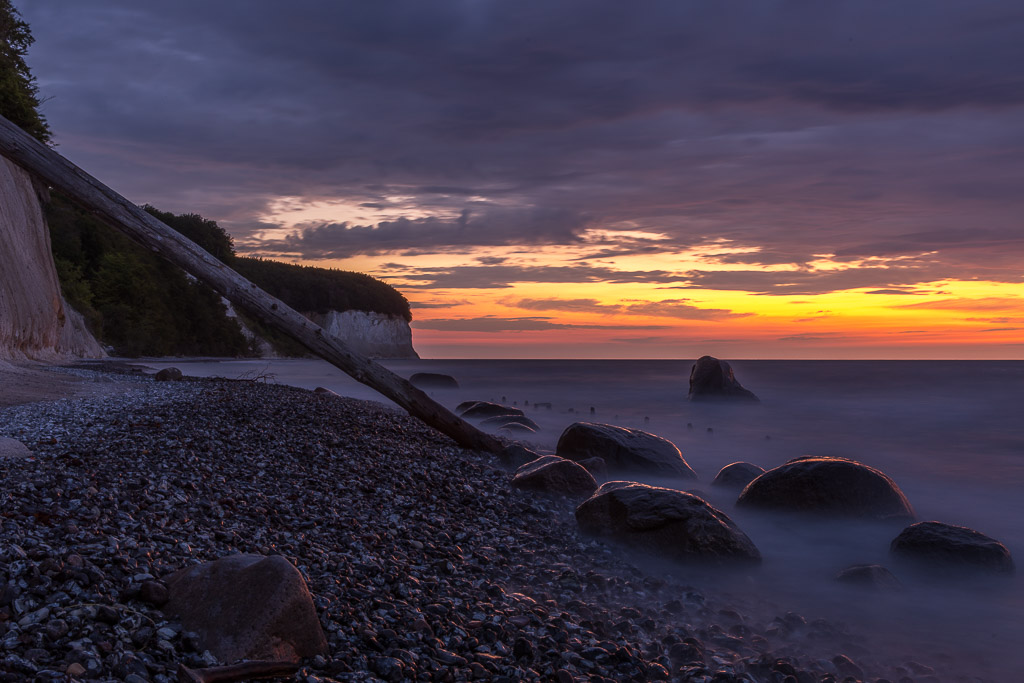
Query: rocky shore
[{"x": 423, "y": 562}]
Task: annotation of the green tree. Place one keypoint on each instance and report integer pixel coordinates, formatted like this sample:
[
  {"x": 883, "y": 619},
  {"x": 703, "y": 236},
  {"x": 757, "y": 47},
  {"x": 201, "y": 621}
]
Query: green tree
[{"x": 19, "y": 96}]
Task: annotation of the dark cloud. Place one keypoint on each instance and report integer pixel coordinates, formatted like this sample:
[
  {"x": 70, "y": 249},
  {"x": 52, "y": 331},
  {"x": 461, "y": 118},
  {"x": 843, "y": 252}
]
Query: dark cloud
[
  {"x": 503, "y": 276},
  {"x": 794, "y": 130}
]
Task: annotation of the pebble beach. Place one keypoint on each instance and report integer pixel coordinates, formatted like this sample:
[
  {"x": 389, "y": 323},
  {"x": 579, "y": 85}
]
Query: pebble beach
[{"x": 424, "y": 564}]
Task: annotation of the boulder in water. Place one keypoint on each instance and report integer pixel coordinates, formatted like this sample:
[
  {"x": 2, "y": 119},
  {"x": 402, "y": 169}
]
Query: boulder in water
[
  {"x": 835, "y": 487},
  {"x": 596, "y": 466},
  {"x": 433, "y": 380},
  {"x": 552, "y": 474},
  {"x": 623, "y": 450},
  {"x": 247, "y": 607},
  {"x": 516, "y": 455},
  {"x": 873, "y": 576},
  {"x": 667, "y": 522},
  {"x": 480, "y": 410},
  {"x": 500, "y": 421},
  {"x": 945, "y": 549},
  {"x": 737, "y": 475},
  {"x": 712, "y": 379},
  {"x": 168, "y": 375}
]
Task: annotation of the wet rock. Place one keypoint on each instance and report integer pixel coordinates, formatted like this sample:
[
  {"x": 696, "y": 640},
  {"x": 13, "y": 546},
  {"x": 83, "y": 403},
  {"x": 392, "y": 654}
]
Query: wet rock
[
  {"x": 168, "y": 375},
  {"x": 737, "y": 475},
  {"x": 247, "y": 607},
  {"x": 13, "y": 449},
  {"x": 945, "y": 549},
  {"x": 667, "y": 522},
  {"x": 512, "y": 421},
  {"x": 480, "y": 410},
  {"x": 873, "y": 576},
  {"x": 827, "y": 486},
  {"x": 552, "y": 474},
  {"x": 712, "y": 379},
  {"x": 517, "y": 455},
  {"x": 623, "y": 450},
  {"x": 596, "y": 466},
  {"x": 433, "y": 380}
]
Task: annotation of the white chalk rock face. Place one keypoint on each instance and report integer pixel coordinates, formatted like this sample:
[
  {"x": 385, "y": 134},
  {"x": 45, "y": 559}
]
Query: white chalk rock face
[
  {"x": 35, "y": 322},
  {"x": 375, "y": 335}
]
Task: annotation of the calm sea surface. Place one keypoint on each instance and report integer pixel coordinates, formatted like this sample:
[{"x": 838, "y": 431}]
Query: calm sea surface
[{"x": 950, "y": 433}]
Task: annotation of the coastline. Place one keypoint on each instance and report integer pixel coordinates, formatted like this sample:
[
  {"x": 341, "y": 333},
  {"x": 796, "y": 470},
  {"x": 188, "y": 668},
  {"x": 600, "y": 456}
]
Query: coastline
[{"x": 394, "y": 527}]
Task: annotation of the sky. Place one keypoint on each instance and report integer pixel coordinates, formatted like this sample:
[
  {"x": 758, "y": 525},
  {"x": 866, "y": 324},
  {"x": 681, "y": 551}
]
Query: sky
[{"x": 585, "y": 179}]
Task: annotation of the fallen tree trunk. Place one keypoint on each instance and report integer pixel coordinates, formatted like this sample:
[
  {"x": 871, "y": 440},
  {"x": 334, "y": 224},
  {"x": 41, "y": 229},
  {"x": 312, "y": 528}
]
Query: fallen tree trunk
[{"x": 112, "y": 208}]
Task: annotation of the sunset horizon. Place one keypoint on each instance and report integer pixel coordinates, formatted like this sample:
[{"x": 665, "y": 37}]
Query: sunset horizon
[{"x": 585, "y": 180}]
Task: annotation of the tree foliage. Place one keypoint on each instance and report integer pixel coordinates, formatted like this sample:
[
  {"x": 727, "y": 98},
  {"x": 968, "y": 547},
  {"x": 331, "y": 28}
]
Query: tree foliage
[
  {"x": 19, "y": 96},
  {"x": 144, "y": 306}
]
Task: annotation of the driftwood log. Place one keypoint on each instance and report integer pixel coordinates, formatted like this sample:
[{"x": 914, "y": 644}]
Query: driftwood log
[{"x": 95, "y": 197}]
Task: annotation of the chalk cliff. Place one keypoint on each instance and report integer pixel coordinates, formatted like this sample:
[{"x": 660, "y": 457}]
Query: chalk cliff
[
  {"x": 35, "y": 322},
  {"x": 376, "y": 335}
]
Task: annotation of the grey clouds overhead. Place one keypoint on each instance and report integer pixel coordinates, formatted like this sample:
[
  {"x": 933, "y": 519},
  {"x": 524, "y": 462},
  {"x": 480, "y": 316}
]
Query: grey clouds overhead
[{"x": 859, "y": 130}]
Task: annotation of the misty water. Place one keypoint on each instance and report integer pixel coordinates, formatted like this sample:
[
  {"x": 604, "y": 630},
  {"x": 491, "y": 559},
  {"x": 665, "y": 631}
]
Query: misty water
[{"x": 950, "y": 433}]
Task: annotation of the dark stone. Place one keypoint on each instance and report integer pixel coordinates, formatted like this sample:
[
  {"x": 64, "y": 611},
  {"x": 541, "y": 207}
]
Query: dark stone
[
  {"x": 665, "y": 521},
  {"x": 516, "y": 455},
  {"x": 153, "y": 593},
  {"x": 623, "y": 450},
  {"x": 712, "y": 379},
  {"x": 500, "y": 421},
  {"x": 247, "y": 607},
  {"x": 737, "y": 475},
  {"x": 946, "y": 549},
  {"x": 873, "y": 576},
  {"x": 168, "y": 375},
  {"x": 484, "y": 409},
  {"x": 552, "y": 474},
  {"x": 596, "y": 466},
  {"x": 433, "y": 380},
  {"x": 828, "y": 486}
]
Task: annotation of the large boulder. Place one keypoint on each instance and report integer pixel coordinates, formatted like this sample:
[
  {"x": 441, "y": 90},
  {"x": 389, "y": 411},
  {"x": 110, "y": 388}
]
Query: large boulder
[
  {"x": 247, "y": 607},
  {"x": 480, "y": 410},
  {"x": 835, "y": 487},
  {"x": 668, "y": 522},
  {"x": 13, "y": 449},
  {"x": 737, "y": 475},
  {"x": 712, "y": 379},
  {"x": 499, "y": 421},
  {"x": 433, "y": 380},
  {"x": 168, "y": 375},
  {"x": 551, "y": 474},
  {"x": 945, "y": 549},
  {"x": 623, "y": 450}
]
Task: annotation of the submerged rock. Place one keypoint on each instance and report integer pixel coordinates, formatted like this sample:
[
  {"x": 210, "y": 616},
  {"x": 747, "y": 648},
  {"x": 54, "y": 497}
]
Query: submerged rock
[
  {"x": 829, "y": 486},
  {"x": 433, "y": 380},
  {"x": 247, "y": 607},
  {"x": 945, "y": 549},
  {"x": 667, "y": 522},
  {"x": 713, "y": 379},
  {"x": 873, "y": 576},
  {"x": 737, "y": 475},
  {"x": 552, "y": 474},
  {"x": 623, "y": 450}
]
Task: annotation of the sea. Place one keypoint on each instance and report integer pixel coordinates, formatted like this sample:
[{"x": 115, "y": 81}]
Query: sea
[{"x": 950, "y": 433}]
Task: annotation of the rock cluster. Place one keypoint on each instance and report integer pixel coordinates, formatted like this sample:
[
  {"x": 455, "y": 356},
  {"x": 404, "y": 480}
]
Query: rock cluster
[
  {"x": 623, "y": 450},
  {"x": 421, "y": 561}
]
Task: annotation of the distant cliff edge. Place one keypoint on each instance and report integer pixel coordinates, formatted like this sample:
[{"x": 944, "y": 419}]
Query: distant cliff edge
[{"x": 35, "y": 321}]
